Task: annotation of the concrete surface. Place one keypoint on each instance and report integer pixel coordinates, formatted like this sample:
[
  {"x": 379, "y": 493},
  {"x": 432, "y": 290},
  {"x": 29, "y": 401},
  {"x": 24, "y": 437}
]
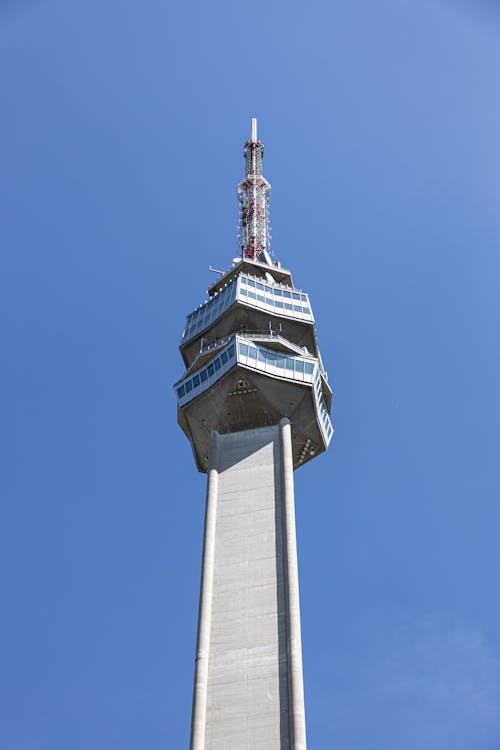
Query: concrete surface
[{"x": 248, "y": 692}]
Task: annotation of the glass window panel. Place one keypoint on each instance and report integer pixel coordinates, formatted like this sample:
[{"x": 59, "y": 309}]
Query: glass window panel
[
  {"x": 288, "y": 295},
  {"x": 295, "y": 295},
  {"x": 243, "y": 292},
  {"x": 210, "y": 370},
  {"x": 223, "y": 358},
  {"x": 309, "y": 368},
  {"x": 252, "y": 352},
  {"x": 244, "y": 349},
  {"x": 261, "y": 356},
  {"x": 196, "y": 381},
  {"x": 278, "y": 304},
  {"x": 252, "y": 295},
  {"x": 260, "y": 298},
  {"x": 277, "y": 292},
  {"x": 297, "y": 308},
  {"x": 217, "y": 364},
  {"x": 230, "y": 351},
  {"x": 260, "y": 287},
  {"x": 288, "y": 306},
  {"x": 203, "y": 376},
  {"x": 189, "y": 386},
  {"x": 299, "y": 365},
  {"x": 181, "y": 391},
  {"x": 289, "y": 364}
]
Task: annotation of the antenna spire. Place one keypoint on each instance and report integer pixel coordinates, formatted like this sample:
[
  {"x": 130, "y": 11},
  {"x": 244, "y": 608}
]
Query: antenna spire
[{"x": 254, "y": 193}]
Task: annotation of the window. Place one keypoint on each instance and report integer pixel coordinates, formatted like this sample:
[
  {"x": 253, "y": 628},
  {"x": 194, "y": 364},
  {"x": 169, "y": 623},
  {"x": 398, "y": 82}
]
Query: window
[
  {"x": 309, "y": 368},
  {"x": 189, "y": 386},
  {"x": 244, "y": 350},
  {"x": 223, "y": 358},
  {"x": 230, "y": 351},
  {"x": 217, "y": 364},
  {"x": 289, "y": 364},
  {"x": 210, "y": 370},
  {"x": 181, "y": 391},
  {"x": 288, "y": 306},
  {"x": 196, "y": 381},
  {"x": 252, "y": 352},
  {"x": 203, "y": 376},
  {"x": 299, "y": 366}
]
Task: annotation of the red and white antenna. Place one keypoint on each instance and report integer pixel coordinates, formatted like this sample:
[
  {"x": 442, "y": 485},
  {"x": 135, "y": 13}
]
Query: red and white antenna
[{"x": 254, "y": 193}]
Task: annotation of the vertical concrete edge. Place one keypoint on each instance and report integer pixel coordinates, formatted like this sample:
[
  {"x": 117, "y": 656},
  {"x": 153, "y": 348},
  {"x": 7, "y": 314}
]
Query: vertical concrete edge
[
  {"x": 199, "y": 711},
  {"x": 295, "y": 675}
]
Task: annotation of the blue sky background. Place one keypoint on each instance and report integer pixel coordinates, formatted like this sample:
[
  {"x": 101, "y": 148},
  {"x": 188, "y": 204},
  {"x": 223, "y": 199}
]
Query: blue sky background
[{"x": 122, "y": 125}]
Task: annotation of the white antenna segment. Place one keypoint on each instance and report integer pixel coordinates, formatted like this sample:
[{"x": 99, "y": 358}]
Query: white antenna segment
[{"x": 254, "y": 130}]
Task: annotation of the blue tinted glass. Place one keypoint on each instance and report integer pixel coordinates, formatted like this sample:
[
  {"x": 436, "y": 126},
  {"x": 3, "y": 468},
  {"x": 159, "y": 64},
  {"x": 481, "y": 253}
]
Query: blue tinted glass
[
  {"x": 278, "y": 304},
  {"x": 203, "y": 375},
  {"x": 297, "y": 308},
  {"x": 181, "y": 391},
  {"x": 260, "y": 298},
  {"x": 289, "y": 364},
  {"x": 189, "y": 386},
  {"x": 243, "y": 292},
  {"x": 299, "y": 366},
  {"x": 223, "y": 358},
  {"x": 210, "y": 370},
  {"x": 261, "y": 356},
  {"x": 252, "y": 352},
  {"x": 259, "y": 286},
  {"x": 287, "y": 295},
  {"x": 295, "y": 295},
  {"x": 309, "y": 367},
  {"x": 287, "y": 306},
  {"x": 230, "y": 351},
  {"x": 277, "y": 292},
  {"x": 196, "y": 381},
  {"x": 252, "y": 295},
  {"x": 217, "y": 364},
  {"x": 244, "y": 349}
]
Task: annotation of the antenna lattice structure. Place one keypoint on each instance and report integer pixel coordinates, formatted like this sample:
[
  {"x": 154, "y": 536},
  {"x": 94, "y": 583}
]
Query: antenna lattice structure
[{"x": 254, "y": 193}]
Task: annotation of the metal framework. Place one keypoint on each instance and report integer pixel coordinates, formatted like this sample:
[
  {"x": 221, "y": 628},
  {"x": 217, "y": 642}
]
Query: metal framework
[{"x": 254, "y": 193}]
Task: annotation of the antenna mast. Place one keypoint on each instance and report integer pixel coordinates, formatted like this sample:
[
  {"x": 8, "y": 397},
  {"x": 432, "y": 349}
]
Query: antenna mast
[{"x": 254, "y": 193}]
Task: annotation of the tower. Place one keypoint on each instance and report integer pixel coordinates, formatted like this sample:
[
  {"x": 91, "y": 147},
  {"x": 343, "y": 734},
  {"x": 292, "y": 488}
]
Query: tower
[{"x": 254, "y": 402}]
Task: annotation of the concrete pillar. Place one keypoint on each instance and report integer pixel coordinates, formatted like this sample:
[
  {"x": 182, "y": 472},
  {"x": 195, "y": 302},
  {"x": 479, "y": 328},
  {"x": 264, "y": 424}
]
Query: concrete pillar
[
  {"x": 248, "y": 692},
  {"x": 294, "y": 639}
]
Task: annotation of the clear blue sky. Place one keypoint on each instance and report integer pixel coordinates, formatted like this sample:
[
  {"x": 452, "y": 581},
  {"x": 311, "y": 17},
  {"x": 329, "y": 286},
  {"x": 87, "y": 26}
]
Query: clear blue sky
[{"x": 122, "y": 125}]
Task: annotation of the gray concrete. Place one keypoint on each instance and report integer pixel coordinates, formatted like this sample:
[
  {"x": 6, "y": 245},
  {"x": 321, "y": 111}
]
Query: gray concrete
[{"x": 248, "y": 692}]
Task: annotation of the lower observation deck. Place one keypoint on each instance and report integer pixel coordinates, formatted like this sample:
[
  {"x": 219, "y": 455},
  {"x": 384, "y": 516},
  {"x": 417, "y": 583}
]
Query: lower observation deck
[{"x": 245, "y": 384}]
